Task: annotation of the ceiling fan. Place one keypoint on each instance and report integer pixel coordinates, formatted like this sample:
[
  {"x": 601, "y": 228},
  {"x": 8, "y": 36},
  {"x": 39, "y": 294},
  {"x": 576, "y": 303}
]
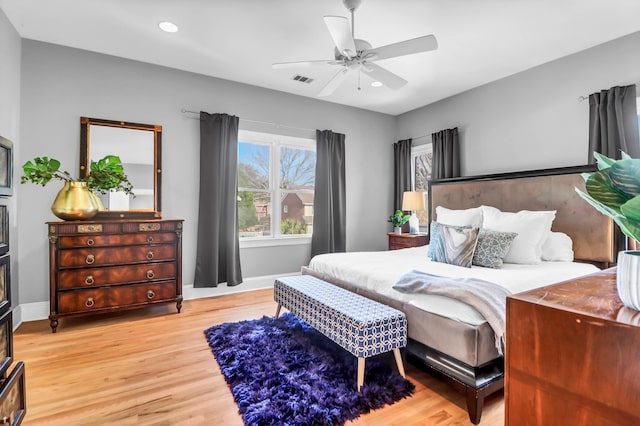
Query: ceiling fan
[{"x": 352, "y": 54}]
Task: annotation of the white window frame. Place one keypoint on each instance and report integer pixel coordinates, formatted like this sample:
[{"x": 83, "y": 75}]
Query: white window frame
[{"x": 275, "y": 142}]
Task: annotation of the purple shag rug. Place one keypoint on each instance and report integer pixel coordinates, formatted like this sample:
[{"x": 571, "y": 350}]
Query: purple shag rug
[{"x": 283, "y": 372}]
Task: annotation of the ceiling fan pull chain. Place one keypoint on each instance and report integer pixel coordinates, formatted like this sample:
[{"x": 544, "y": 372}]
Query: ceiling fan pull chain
[{"x": 359, "y": 74}]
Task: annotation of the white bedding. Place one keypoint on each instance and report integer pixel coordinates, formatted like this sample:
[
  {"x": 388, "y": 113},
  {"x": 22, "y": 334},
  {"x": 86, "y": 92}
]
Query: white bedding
[{"x": 378, "y": 271}]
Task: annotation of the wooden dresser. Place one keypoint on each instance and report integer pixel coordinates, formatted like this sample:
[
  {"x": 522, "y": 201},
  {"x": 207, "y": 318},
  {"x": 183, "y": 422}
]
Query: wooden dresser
[
  {"x": 110, "y": 265},
  {"x": 572, "y": 355},
  {"x": 400, "y": 241}
]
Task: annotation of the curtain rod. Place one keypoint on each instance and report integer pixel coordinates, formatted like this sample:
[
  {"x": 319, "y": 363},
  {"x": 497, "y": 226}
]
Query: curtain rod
[
  {"x": 186, "y": 111},
  {"x": 423, "y": 136}
]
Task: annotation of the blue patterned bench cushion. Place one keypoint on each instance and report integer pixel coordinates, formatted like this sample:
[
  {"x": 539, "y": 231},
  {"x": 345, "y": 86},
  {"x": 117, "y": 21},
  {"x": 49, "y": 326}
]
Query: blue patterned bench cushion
[{"x": 362, "y": 326}]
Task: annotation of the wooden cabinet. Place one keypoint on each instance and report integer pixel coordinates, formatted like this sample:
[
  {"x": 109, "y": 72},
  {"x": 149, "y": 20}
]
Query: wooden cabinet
[
  {"x": 400, "y": 241},
  {"x": 104, "y": 266},
  {"x": 12, "y": 384},
  {"x": 572, "y": 355}
]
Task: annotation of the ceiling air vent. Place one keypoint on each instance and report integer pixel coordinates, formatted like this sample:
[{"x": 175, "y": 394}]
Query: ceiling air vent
[{"x": 302, "y": 78}]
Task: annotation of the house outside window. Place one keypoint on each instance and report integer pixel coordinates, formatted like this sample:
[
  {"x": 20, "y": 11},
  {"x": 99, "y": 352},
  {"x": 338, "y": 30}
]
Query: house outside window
[
  {"x": 275, "y": 171},
  {"x": 421, "y": 164}
]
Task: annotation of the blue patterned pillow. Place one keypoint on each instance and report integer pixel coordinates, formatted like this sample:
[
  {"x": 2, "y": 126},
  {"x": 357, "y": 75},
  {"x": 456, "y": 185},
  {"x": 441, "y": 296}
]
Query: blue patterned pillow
[
  {"x": 492, "y": 247},
  {"x": 452, "y": 244}
]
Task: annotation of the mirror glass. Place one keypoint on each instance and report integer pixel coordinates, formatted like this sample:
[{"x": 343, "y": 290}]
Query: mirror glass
[{"x": 138, "y": 146}]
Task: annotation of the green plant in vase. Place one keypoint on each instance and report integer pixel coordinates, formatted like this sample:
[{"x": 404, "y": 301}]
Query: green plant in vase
[
  {"x": 398, "y": 219},
  {"x": 614, "y": 190},
  {"x": 77, "y": 199}
]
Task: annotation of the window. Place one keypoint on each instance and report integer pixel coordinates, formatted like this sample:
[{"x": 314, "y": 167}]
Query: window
[
  {"x": 275, "y": 171},
  {"x": 421, "y": 161}
]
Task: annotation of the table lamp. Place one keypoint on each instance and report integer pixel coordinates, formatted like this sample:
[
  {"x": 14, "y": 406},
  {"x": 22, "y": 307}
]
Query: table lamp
[{"x": 412, "y": 201}]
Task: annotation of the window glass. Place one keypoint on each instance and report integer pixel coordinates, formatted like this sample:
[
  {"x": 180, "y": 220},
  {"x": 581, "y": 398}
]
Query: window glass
[
  {"x": 421, "y": 162},
  {"x": 275, "y": 169}
]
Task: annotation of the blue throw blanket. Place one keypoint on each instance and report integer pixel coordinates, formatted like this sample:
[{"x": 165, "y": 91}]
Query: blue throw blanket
[{"x": 486, "y": 297}]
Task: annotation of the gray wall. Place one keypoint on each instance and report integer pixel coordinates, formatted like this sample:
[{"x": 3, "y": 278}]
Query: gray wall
[
  {"x": 527, "y": 121},
  {"x": 10, "y": 50},
  {"x": 531, "y": 120},
  {"x": 59, "y": 85}
]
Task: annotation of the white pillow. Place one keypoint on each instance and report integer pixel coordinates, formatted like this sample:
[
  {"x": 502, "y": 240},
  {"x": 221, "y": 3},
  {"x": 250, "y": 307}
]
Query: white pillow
[
  {"x": 469, "y": 217},
  {"x": 557, "y": 247},
  {"x": 532, "y": 228}
]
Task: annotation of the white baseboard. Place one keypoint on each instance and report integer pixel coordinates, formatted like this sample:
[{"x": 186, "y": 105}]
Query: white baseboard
[
  {"x": 32, "y": 311},
  {"x": 40, "y": 310},
  {"x": 248, "y": 284},
  {"x": 17, "y": 317}
]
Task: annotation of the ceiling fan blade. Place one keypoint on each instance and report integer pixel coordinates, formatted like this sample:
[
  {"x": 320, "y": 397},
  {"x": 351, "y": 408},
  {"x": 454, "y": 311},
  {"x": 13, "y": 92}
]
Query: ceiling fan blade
[
  {"x": 280, "y": 65},
  {"x": 389, "y": 79},
  {"x": 407, "y": 47},
  {"x": 333, "y": 84},
  {"x": 340, "y": 31}
]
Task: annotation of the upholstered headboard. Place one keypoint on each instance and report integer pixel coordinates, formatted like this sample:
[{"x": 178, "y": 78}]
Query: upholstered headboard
[{"x": 594, "y": 236}]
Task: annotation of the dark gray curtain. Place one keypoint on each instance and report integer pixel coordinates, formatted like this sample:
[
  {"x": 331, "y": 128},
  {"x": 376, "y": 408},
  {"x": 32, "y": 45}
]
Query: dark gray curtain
[
  {"x": 613, "y": 123},
  {"x": 329, "y": 202},
  {"x": 446, "y": 154},
  {"x": 218, "y": 253},
  {"x": 401, "y": 171}
]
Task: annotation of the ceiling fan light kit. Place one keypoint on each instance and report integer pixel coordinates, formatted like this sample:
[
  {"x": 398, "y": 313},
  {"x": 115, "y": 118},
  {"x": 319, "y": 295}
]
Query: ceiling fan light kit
[{"x": 353, "y": 54}]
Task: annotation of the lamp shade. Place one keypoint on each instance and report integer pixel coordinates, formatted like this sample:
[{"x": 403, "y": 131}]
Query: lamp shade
[{"x": 412, "y": 201}]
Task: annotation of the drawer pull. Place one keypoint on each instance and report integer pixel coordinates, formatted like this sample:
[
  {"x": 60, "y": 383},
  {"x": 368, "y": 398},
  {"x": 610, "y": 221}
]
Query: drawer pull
[
  {"x": 150, "y": 274},
  {"x": 150, "y": 255},
  {"x": 89, "y": 302},
  {"x": 150, "y": 294},
  {"x": 5, "y": 420},
  {"x": 149, "y": 239},
  {"x": 90, "y": 259},
  {"x": 90, "y": 242},
  {"x": 89, "y": 280}
]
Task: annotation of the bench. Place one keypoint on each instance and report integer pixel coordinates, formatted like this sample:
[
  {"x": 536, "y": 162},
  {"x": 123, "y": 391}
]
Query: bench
[{"x": 362, "y": 326}]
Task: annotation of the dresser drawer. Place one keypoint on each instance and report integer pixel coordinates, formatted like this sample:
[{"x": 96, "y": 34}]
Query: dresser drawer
[
  {"x": 114, "y": 275},
  {"x": 115, "y": 255},
  {"x": 12, "y": 397},
  {"x": 94, "y": 299},
  {"x": 115, "y": 240},
  {"x": 6, "y": 342}
]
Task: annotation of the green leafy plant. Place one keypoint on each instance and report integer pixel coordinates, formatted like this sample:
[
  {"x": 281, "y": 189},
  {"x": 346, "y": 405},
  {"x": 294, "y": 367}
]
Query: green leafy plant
[
  {"x": 106, "y": 174},
  {"x": 398, "y": 219},
  {"x": 614, "y": 190}
]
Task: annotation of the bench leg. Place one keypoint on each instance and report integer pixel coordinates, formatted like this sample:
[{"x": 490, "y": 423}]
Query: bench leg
[
  {"x": 278, "y": 310},
  {"x": 396, "y": 353},
  {"x": 360, "y": 372}
]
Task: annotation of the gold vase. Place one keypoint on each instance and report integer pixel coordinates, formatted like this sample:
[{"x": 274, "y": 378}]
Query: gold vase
[{"x": 75, "y": 202}]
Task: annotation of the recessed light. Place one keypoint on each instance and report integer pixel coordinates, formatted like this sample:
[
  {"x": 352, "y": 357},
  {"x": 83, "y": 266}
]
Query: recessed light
[
  {"x": 168, "y": 27},
  {"x": 376, "y": 84}
]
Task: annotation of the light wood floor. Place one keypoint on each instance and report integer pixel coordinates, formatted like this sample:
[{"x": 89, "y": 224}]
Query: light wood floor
[{"x": 154, "y": 367}]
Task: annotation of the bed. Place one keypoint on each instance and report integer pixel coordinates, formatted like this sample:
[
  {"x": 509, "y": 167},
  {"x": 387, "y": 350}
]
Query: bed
[{"x": 447, "y": 335}]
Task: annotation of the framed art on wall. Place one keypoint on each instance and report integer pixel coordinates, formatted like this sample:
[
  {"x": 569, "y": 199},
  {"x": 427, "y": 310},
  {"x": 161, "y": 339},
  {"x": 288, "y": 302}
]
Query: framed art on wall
[{"x": 6, "y": 167}]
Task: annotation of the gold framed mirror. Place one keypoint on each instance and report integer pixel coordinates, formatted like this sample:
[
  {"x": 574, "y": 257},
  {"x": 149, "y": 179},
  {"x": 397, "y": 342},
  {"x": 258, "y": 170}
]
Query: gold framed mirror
[{"x": 139, "y": 148}]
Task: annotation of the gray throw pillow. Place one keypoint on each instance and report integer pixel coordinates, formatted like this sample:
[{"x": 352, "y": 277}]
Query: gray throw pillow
[
  {"x": 452, "y": 244},
  {"x": 492, "y": 247}
]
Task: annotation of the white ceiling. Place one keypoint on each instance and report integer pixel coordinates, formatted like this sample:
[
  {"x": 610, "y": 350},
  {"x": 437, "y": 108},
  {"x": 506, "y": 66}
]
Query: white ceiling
[{"x": 479, "y": 40}]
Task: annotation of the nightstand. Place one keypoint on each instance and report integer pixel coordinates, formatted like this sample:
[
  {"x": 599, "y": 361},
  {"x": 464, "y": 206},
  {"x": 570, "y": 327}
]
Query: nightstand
[{"x": 400, "y": 241}]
